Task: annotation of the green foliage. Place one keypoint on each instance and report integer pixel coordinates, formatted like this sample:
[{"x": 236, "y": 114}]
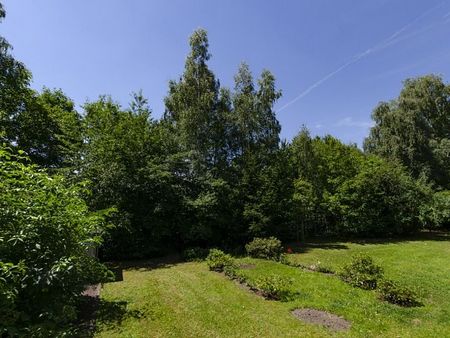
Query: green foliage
[
  {"x": 382, "y": 199},
  {"x": 48, "y": 129},
  {"x": 414, "y": 129},
  {"x": 361, "y": 272},
  {"x": 14, "y": 82},
  {"x": 45, "y": 234},
  {"x": 436, "y": 214},
  {"x": 274, "y": 287},
  {"x": 321, "y": 166},
  {"x": 195, "y": 254},
  {"x": 266, "y": 248},
  {"x": 396, "y": 293},
  {"x": 217, "y": 260}
]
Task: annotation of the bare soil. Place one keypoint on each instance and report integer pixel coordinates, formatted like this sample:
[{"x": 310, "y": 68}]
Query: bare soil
[
  {"x": 329, "y": 320},
  {"x": 247, "y": 266}
]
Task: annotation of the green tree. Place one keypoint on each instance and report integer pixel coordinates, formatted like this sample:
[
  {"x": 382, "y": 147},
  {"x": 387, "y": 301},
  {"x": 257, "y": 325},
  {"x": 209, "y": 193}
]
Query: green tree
[
  {"x": 48, "y": 129},
  {"x": 305, "y": 201},
  {"x": 415, "y": 129},
  {"x": 195, "y": 109},
  {"x": 380, "y": 200},
  {"x": 14, "y": 82}
]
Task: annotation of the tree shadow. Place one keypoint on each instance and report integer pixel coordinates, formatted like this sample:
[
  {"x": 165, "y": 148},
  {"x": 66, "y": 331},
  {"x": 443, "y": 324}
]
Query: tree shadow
[
  {"x": 146, "y": 264},
  {"x": 440, "y": 236},
  {"x": 308, "y": 246},
  {"x": 94, "y": 311},
  {"x": 114, "y": 312},
  {"x": 338, "y": 243}
]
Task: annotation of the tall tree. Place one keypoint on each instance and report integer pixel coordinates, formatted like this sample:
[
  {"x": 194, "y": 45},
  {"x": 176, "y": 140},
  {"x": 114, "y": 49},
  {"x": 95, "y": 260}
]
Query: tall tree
[
  {"x": 255, "y": 143},
  {"x": 415, "y": 129},
  {"x": 14, "y": 82},
  {"x": 192, "y": 106},
  {"x": 49, "y": 129}
]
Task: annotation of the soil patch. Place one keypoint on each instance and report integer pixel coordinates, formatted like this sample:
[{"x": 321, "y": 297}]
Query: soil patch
[
  {"x": 329, "y": 320},
  {"x": 87, "y": 308},
  {"x": 247, "y": 266}
]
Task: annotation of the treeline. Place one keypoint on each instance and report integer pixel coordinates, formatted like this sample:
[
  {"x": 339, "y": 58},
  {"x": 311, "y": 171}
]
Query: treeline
[{"x": 213, "y": 171}]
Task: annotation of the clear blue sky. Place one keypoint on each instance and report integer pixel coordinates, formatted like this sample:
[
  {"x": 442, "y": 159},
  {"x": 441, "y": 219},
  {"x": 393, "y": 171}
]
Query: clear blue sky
[{"x": 333, "y": 60}]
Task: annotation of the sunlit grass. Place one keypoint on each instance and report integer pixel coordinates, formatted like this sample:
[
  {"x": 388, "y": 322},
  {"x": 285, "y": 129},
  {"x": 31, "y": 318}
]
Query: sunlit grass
[{"x": 187, "y": 300}]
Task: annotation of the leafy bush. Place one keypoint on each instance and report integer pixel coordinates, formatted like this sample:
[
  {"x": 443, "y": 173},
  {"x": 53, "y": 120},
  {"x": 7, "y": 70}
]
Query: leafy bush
[
  {"x": 395, "y": 293},
  {"x": 273, "y": 287},
  {"x": 46, "y": 230},
  {"x": 436, "y": 214},
  {"x": 266, "y": 248},
  {"x": 361, "y": 272},
  {"x": 195, "y": 254},
  {"x": 217, "y": 260},
  {"x": 381, "y": 200}
]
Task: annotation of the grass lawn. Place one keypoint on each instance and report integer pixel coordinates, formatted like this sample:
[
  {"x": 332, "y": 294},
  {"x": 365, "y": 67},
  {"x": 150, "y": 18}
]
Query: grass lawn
[{"x": 187, "y": 300}]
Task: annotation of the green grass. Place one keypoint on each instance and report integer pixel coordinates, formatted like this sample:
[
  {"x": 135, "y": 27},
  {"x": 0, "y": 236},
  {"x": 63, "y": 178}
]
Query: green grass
[{"x": 187, "y": 300}]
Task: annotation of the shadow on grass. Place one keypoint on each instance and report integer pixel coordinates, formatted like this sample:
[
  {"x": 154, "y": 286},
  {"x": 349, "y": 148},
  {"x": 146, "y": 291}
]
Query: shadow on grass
[
  {"x": 148, "y": 264},
  {"x": 114, "y": 312},
  {"x": 95, "y": 311},
  {"x": 339, "y": 243}
]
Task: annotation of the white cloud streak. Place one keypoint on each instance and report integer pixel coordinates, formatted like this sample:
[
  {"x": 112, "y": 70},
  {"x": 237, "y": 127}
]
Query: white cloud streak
[
  {"x": 391, "y": 40},
  {"x": 349, "y": 122}
]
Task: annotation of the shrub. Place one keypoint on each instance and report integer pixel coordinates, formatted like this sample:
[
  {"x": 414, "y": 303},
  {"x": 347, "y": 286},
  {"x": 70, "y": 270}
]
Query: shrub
[
  {"x": 273, "y": 287},
  {"x": 45, "y": 233},
  {"x": 436, "y": 214},
  {"x": 195, "y": 254},
  {"x": 361, "y": 272},
  {"x": 217, "y": 260},
  {"x": 395, "y": 293},
  {"x": 266, "y": 248},
  {"x": 381, "y": 200}
]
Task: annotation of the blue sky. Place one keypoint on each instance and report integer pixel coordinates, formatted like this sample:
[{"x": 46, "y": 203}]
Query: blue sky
[{"x": 333, "y": 60}]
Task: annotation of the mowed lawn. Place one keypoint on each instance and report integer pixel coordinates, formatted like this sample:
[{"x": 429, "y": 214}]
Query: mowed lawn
[{"x": 187, "y": 300}]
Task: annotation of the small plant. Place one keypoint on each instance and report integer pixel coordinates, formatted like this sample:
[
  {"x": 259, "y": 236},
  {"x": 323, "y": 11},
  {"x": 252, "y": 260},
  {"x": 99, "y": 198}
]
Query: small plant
[
  {"x": 195, "y": 254},
  {"x": 395, "y": 293},
  {"x": 217, "y": 260},
  {"x": 284, "y": 259},
  {"x": 233, "y": 272},
  {"x": 273, "y": 287},
  {"x": 266, "y": 248},
  {"x": 361, "y": 272}
]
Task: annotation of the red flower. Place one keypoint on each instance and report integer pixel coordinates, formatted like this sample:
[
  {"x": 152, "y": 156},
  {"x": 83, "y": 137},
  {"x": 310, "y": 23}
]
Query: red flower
[{"x": 289, "y": 250}]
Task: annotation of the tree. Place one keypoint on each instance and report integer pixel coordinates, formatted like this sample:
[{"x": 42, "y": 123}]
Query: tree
[
  {"x": 380, "y": 200},
  {"x": 305, "y": 201},
  {"x": 14, "y": 82},
  {"x": 415, "y": 129},
  {"x": 192, "y": 106},
  {"x": 49, "y": 130}
]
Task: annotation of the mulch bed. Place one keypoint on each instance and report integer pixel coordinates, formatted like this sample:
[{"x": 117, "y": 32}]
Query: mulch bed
[{"x": 329, "y": 320}]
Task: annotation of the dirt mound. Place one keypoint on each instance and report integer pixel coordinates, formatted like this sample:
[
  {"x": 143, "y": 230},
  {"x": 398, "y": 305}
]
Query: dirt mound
[
  {"x": 247, "y": 266},
  {"x": 324, "y": 318}
]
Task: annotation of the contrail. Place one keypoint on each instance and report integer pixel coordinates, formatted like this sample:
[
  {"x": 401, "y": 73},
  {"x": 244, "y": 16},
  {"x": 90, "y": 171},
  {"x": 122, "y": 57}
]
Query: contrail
[{"x": 392, "y": 39}]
